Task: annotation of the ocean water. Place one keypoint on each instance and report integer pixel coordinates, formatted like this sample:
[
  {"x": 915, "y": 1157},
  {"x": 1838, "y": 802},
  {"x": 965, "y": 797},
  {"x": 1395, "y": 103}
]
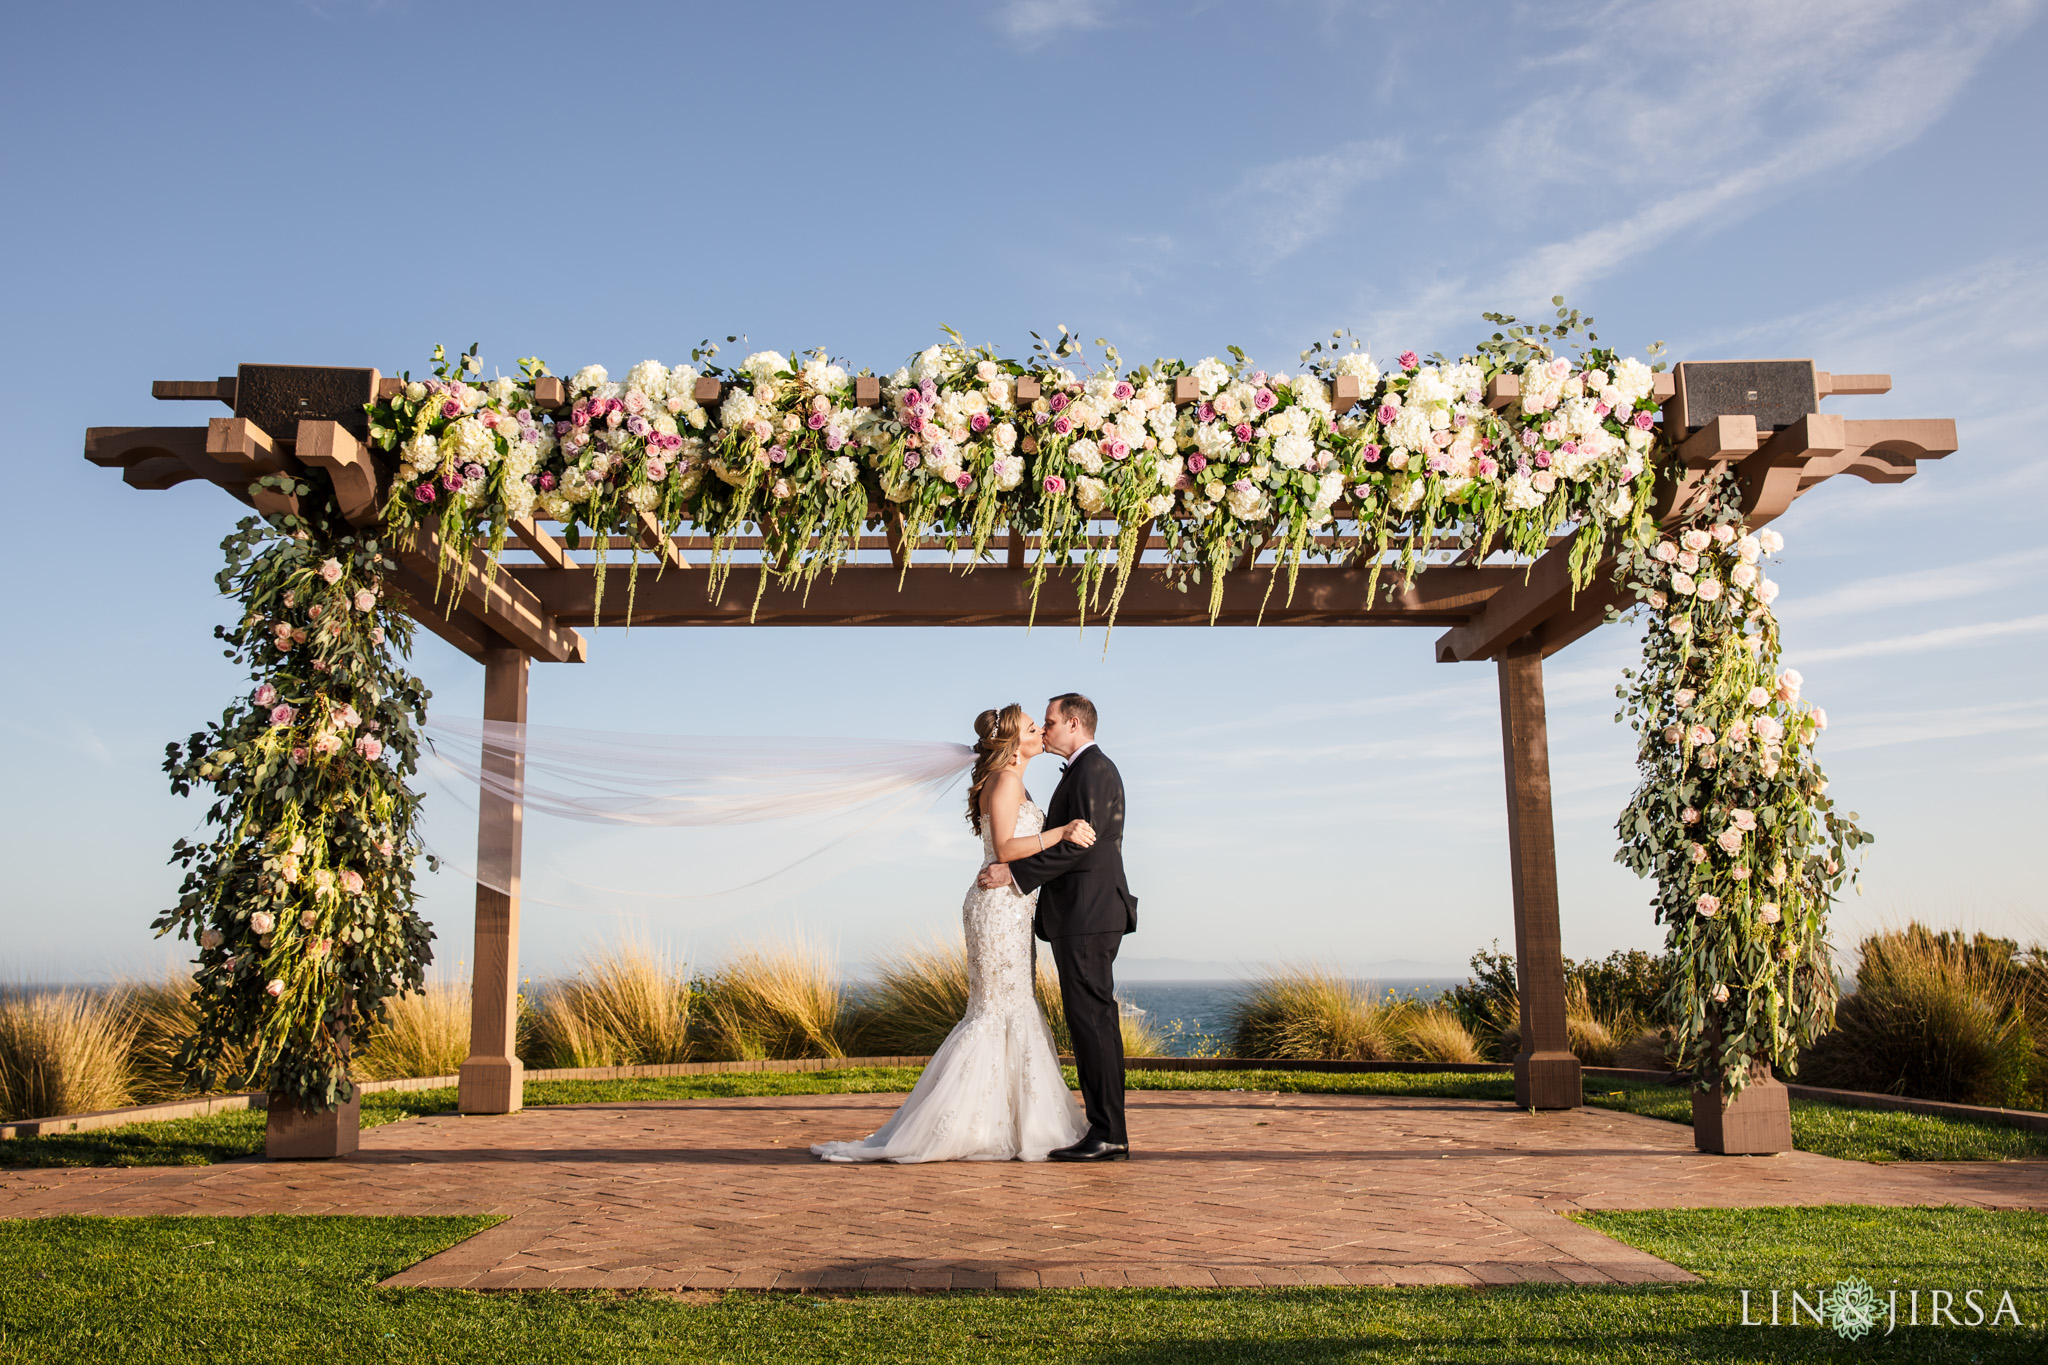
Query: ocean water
[{"x": 1194, "y": 1015}]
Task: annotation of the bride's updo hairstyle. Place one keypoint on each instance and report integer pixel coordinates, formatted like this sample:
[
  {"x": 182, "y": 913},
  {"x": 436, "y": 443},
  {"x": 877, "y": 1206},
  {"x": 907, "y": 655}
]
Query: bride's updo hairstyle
[{"x": 995, "y": 748}]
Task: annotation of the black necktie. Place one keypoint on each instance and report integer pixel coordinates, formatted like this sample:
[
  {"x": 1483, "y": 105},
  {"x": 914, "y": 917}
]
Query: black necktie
[{"x": 1063, "y": 767}]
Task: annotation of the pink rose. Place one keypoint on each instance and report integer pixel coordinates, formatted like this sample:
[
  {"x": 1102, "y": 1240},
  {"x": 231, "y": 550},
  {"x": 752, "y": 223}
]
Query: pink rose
[
  {"x": 366, "y": 600},
  {"x": 385, "y": 847},
  {"x": 1697, "y": 852},
  {"x": 1730, "y": 840},
  {"x": 1720, "y": 993},
  {"x": 1768, "y": 912},
  {"x": 1264, "y": 399},
  {"x": 1710, "y": 589},
  {"x": 281, "y": 714},
  {"x": 1682, "y": 584},
  {"x": 264, "y": 695},
  {"x": 1709, "y": 906},
  {"x": 262, "y": 922},
  {"x": 1696, "y": 540},
  {"x": 1689, "y": 816},
  {"x": 1723, "y": 533},
  {"x": 1789, "y": 683},
  {"x": 1756, "y": 696},
  {"x": 352, "y": 882},
  {"x": 330, "y": 570},
  {"x": 1741, "y": 874},
  {"x": 319, "y": 947},
  {"x": 1742, "y": 819},
  {"x": 1683, "y": 697},
  {"x": 299, "y": 756},
  {"x": 307, "y": 919},
  {"x": 376, "y": 635},
  {"x": 1559, "y": 367},
  {"x": 1407, "y": 360},
  {"x": 274, "y": 989},
  {"x": 1055, "y": 484},
  {"x": 1700, "y": 734},
  {"x": 209, "y": 938},
  {"x": 1819, "y": 718},
  {"x": 345, "y": 715},
  {"x": 370, "y": 748}
]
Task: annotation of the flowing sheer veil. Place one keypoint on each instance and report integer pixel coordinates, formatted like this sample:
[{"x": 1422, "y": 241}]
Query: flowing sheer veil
[{"x": 683, "y": 820}]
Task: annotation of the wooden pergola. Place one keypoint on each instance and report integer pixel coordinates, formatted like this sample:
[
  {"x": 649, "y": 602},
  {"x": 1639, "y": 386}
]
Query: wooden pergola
[{"x": 1762, "y": 418}]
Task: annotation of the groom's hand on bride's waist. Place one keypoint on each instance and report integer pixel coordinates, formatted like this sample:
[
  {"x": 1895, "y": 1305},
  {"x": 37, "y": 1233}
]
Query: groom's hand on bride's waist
[{"x": 993, "y": 876}]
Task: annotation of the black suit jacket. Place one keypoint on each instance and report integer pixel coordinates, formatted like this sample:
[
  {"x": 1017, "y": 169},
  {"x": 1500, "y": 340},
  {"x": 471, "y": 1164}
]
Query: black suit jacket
[{"x": 1084, "y": 891}]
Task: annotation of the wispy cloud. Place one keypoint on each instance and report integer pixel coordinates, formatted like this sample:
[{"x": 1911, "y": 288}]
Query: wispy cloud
[
  {"x": 1919, "y": 727},
  {"x": 1032, "y": 22},
  {"x": 1944, "y": 583},
  {"x": 1294, "y": 202},
  {"x": 1947, "y": 637},
  {"x": 1719, "y": 111}
]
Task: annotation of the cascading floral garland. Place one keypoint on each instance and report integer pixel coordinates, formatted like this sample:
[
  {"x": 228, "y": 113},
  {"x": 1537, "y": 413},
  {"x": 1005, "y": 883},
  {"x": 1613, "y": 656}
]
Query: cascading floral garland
[
  {"x": 1732, "y": 816},
  {"x": 303, "y": 903},
  {"x": 301, "y": 900}
]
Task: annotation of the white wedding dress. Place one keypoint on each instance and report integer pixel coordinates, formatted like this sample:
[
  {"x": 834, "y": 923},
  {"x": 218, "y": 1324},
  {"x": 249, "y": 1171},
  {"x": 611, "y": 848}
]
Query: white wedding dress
[{"x": 993, "y": 1091}]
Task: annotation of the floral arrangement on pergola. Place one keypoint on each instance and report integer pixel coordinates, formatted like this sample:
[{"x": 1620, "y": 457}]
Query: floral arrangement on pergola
[{"x": 1538, "y": 442}]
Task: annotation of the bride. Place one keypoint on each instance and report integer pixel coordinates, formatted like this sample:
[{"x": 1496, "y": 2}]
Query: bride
[{"x": 993, "y": 1091}]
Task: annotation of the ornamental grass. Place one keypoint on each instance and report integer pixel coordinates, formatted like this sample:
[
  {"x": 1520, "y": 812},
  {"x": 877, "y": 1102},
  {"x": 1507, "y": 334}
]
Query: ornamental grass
[
  {"x": 919, "y": 992},
  {"x": 628, "y": 1005},
  {"x": 782, "y": 999},
  {"x": 1938, "y": 1016},
  {"x": 1310, "y": 1013},
  {"x": 422, "y": 1033},
  {"x": 62, "y": 1052},
  {"x": 163, "y": 1014}
]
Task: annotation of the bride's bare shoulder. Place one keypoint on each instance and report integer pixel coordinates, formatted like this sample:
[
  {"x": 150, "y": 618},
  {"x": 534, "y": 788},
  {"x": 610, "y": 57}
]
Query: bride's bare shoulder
[{"x": 1007, "y": 786}]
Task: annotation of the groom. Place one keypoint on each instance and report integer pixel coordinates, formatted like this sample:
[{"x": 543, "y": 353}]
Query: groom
[{"x": 1084, "y": 911}]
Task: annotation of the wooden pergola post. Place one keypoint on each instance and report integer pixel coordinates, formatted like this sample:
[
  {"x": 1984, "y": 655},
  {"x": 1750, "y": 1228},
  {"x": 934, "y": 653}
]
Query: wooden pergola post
[
  {"x": 492, "y": 1078},
  {"x": 1546, "y": 1071}
]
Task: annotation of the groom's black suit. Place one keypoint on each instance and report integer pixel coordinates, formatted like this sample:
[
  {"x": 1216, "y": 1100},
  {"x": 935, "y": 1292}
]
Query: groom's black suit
[{"x": 1085, "y": 907}]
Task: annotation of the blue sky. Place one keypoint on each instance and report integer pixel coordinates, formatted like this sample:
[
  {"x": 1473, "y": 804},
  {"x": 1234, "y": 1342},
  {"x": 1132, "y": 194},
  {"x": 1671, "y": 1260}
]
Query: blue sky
[{"x": 337, "y": 183}]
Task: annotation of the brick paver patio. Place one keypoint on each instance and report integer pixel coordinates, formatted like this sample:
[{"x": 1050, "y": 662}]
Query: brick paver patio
[{"x": 1227, "y": 1188}]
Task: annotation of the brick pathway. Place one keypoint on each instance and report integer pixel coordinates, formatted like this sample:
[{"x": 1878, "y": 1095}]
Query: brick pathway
[{"x": 1226, "y": 1189}]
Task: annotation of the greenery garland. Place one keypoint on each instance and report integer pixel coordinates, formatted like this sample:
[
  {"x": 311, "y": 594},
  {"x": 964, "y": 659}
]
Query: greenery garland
[
  {"x": 1732, "y": 816},
  {"x": 302, "y": 902},
  {"x": 301, "y": 899}
]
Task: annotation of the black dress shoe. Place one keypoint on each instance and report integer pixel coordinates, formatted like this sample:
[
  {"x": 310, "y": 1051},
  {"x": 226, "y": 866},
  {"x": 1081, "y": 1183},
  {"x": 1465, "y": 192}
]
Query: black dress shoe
[{"x": 1091, "y": 1149}]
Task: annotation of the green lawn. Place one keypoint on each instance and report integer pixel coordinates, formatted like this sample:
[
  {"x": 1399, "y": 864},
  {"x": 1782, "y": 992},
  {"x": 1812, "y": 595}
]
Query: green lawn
[
  {"x": 1856, "y": 1134},
  {"x": 1853, "y": 1134},
  {"x": 214, "y": 1291}
]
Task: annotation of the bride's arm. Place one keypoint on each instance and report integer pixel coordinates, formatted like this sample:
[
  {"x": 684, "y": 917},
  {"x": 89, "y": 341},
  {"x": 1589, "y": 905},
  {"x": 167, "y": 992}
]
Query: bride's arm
[{"x": 999, "y": 809}]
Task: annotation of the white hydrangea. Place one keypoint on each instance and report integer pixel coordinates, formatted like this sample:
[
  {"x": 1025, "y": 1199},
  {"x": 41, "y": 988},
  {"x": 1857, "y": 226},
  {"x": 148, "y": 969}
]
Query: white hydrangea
[
  {"x": 586, "y": 379},
  {"x": 420, "y": 453},
  {"x": 1635, "y": 380},
  {"x": 1411, "y": 428},
  {"x": 930, "y": 364},
  {"x": 822, "y": 376},
  {"x": 1431, "y": 385},
  {"x": 739, "y": 408},
  {"x": 1521, "y": 494},
  {"x": 1131, "y": 427},
  {"x": 1407, "y": 494},
  {"x": 650, "y": 377},
  {"x": 1309, "y": 391},
  {"x": 1169, "y": 469},
  {"x": 1091, "y": 494},
  {"x": 501, "y": 389},
  {"x": 1163, "y": 419},
  {"x": 764, "y": 365},
  {"x": 1210, "y": 374},
  {"x": 1213, "y": 439},
  {"x": 1008, "y": 470},
  {"x": 1293, "y": 450},
  {"x": 643, "y": 497},
  {"x": 1359, "y": 364},
  {"x": 470, "y": 440},
  {"x": 1246, "y": 503},
  {"x": 1086, "y": 454}
]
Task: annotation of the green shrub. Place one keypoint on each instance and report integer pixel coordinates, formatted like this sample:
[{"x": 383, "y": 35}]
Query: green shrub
[{"x": 1936, "y": 1016}]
